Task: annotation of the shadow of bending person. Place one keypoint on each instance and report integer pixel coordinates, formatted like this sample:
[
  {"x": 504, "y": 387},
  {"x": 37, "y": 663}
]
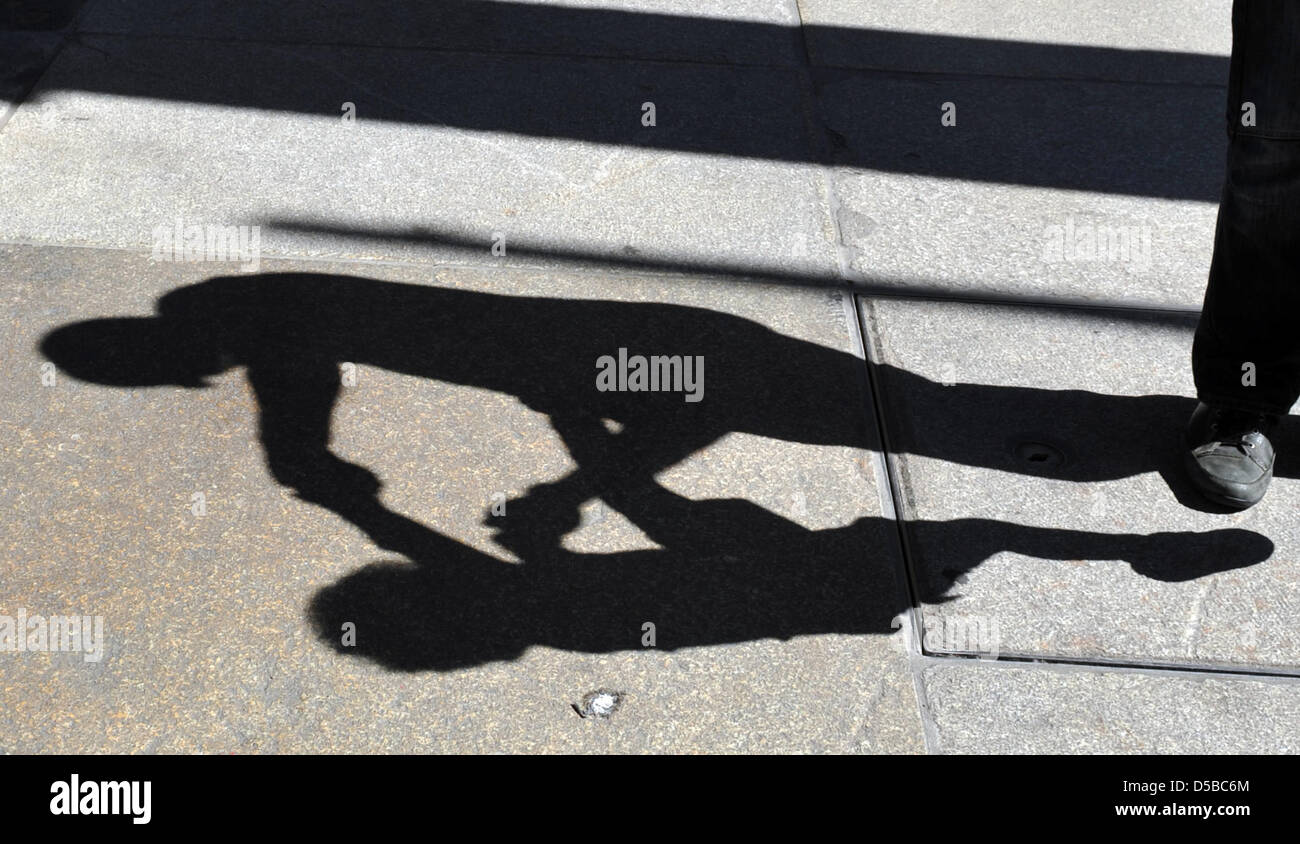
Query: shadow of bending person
[
  {"x": 292, "y": 331},
  {"x": 726, "y": 570}
]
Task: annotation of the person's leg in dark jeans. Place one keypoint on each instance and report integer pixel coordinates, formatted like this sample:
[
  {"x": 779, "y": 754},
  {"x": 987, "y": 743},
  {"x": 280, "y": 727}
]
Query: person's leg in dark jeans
[{"x": 1246, "y": 354}]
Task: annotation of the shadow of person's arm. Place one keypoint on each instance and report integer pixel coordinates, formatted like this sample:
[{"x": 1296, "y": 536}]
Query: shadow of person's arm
[{"x": 296, "y": 398}]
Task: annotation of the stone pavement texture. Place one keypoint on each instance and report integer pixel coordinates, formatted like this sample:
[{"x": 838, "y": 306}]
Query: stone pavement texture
[{"x": 928, "y": 501}]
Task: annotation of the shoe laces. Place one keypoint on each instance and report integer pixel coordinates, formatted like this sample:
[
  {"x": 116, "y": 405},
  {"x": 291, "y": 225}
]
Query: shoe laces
[{"x": 1236, "y": 427}]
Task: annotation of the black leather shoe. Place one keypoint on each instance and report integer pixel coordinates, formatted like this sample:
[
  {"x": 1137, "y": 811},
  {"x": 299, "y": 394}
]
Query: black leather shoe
[{"x": 1229, "y": 456}]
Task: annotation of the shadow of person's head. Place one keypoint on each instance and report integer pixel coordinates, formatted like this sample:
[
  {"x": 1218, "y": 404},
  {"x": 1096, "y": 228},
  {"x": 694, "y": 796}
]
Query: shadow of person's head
[{"x": 132, "y": 352}]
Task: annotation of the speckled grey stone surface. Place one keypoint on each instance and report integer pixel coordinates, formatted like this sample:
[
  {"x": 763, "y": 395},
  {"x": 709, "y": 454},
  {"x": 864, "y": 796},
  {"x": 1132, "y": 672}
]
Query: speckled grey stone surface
[
  {"x": 980, "y": 708},
  {"x": 448, "y": 155},
  {"x": 1107, "y": 555},
  {"x": 766, "y": 558},
  {"x": 209, "y": 647},
  {"x": 1016, "y": 197}
]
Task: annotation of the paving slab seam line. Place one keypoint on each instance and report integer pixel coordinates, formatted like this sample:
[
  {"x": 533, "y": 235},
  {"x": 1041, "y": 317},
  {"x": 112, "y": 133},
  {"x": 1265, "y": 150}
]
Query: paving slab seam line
[
  {"x": 886, "y": 483},
  {"x": 583, "y": 270},
  {"x": 890, "y": 496},
  {"x": 1029, "y": 302},
  {"x": 891, "y": 488},
  {"x": 886, "y": 491},
  {"x": 909, "y": 618},
  {"x": 638, "y": 269},
  {"x": 849, "y": 304},
  {"x": 577, "y": 265},
  {"x": 917, "y": 611},
  {"x": 488, "y": 53},
  {"x": 1101, "y": 665}
]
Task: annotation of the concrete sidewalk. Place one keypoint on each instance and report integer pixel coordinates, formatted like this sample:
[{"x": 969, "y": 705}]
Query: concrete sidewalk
[{"x": 942, "y": 267}]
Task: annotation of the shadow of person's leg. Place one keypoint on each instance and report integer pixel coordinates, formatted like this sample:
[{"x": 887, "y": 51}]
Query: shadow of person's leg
[{"x": 949, "y": 549}]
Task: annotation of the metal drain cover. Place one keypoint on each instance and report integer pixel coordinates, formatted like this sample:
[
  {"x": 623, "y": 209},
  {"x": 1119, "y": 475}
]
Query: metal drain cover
[{"x": 1038, "y": 453}]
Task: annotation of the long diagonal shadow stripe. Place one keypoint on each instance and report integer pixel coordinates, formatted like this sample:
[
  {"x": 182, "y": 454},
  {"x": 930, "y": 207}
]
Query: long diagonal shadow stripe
[{"x": 1045, "y": 115}]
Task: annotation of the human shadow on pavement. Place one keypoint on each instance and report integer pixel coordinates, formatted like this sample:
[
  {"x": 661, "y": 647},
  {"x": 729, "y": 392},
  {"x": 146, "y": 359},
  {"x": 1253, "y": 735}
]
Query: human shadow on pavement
[
  {"x": 737, "y": 573},
  {"x": 726, "y": 570}
]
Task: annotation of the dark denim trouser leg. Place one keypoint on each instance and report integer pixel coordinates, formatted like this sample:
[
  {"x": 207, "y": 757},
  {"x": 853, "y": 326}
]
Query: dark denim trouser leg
[{"x": 1251, "y": 313}]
